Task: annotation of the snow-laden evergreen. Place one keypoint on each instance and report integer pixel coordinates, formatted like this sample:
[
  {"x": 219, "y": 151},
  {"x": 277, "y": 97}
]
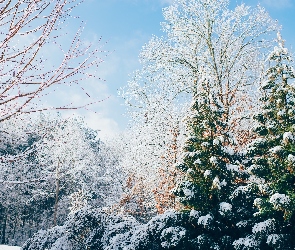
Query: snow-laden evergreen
[
  {"x": 270, "y": 159},
  {"x": 207, "y": 155},
  {"x": 212, "y": 170}
]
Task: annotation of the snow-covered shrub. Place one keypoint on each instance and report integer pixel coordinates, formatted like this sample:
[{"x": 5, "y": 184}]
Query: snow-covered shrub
[
  {"x": 98, "y": 229},
  {"x": 83, "y": 229},
  {"x": 117, "y": 230},
  {"x": 44, "y": 239}
]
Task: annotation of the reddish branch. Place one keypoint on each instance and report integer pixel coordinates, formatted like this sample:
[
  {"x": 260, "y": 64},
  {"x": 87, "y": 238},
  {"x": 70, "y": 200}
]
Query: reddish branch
[{"x": 28, "y": 28}]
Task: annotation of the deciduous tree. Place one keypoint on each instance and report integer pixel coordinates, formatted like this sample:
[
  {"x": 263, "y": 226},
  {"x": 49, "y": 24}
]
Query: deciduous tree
[
  {"x": 28, "y": 73},
  {"x": 201, "y": 37}
]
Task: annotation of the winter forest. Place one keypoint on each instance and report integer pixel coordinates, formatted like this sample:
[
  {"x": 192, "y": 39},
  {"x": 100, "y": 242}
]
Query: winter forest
[{"x": 207, "y": 161}]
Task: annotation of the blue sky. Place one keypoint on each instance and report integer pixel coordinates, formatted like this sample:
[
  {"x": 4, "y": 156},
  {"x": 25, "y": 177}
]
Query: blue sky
[{"x": 125, "y": 26}]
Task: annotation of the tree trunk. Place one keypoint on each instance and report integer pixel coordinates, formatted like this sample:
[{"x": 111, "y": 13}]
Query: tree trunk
[
  {"x": 56, "y": 195},
  {"x": 4, "y": 228},
  {"x": 14, "y": 227},
  {"x": 56, "y": 202}
]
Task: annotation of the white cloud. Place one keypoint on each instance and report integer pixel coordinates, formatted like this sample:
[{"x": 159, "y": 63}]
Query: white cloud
[
  {"x": 107, "y": 127},
  {"x": 278, "y": 3}
]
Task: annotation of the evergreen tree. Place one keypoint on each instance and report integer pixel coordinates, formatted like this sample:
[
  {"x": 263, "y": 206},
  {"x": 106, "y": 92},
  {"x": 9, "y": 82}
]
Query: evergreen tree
[
  {"x": 209, "y": 163},
  {"x": 272, "y": 158}
]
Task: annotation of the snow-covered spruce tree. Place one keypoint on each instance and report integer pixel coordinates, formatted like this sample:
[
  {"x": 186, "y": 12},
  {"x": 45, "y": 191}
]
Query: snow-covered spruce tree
[
  {"x": 272, "y": 159},
  {"x": 209, "y": 164}
]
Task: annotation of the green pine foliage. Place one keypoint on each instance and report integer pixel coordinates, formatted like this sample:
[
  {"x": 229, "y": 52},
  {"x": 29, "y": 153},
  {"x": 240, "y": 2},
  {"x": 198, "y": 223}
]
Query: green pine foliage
[
  {"x": 205, "y": 158},
  {"x": 212, "y": 171},
  {"x": 272, "y": 159}
]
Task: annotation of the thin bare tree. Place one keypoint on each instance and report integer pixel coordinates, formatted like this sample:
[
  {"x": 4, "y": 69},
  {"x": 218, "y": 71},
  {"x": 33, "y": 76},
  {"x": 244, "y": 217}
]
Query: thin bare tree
[{"x": 30, "y": 34}]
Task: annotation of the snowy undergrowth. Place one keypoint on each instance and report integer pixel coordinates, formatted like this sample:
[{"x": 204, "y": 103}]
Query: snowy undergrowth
[{"x": 91, "y": 228}]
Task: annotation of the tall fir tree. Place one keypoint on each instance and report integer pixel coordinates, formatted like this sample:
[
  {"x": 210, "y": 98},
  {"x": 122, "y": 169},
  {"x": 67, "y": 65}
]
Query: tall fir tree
[
  {"x": 211, "y": 170},
  {"x": 272, "y": 158}
]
